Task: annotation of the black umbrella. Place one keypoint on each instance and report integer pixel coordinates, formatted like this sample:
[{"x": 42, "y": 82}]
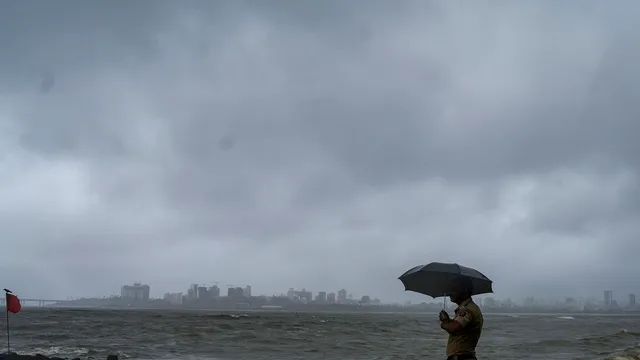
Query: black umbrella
[{"x": 438, "y": 279}]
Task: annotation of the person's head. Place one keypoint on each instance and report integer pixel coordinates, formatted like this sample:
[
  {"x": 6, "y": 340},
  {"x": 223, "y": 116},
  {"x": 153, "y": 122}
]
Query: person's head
[{"x": 462, "y": 290}]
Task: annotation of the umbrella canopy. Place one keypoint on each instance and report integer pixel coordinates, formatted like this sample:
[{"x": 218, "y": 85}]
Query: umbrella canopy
[{"x": 438, "y": 279}]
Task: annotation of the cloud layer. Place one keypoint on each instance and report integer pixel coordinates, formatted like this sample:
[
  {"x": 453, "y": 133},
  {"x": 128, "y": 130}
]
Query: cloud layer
[{"x": 318, "y": 145}]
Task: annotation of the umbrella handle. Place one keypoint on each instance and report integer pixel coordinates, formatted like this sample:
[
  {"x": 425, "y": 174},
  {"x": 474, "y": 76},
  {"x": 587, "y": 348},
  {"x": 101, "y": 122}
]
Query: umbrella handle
[{"x": 444, "y": 303}]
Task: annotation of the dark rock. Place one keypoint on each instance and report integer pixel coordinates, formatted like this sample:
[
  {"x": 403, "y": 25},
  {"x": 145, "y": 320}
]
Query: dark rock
[{"x": 14, "y": 356}]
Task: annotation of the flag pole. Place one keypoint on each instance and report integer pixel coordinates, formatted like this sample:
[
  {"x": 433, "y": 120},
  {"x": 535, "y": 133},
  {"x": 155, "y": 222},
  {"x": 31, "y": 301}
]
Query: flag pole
[{"x": 6, "y": 302}]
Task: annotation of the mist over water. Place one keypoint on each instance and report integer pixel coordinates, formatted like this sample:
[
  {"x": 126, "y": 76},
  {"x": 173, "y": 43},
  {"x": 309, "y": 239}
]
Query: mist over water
[{"x": 136, "y": 334}]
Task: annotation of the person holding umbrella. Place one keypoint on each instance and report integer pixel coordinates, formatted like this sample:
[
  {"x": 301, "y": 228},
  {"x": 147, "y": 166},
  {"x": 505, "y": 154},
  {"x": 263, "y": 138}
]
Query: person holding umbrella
[
  {"x": 466, "y": 327},
  {"x": 459, "y": 283}
]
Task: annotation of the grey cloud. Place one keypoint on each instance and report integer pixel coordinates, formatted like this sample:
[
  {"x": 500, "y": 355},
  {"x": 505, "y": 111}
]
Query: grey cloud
[
  {"x": 577, "y": 206},
  {"x": 345, "y": 141},
  {"x": 48, "y": 81}
]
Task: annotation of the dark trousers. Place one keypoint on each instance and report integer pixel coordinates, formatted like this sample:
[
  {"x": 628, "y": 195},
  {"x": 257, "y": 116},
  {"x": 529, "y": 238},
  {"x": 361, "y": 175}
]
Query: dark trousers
[{"x": 462, "y": 357}]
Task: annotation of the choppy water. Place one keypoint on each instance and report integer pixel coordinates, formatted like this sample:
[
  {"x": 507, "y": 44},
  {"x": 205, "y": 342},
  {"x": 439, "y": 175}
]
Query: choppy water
[{"x": 287, "y": 336}]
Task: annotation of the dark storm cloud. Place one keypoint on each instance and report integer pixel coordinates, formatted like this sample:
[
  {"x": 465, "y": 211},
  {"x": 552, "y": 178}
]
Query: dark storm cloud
[
  {"x": 48, "y": 81},
  {"x": 335, "y": 144}
]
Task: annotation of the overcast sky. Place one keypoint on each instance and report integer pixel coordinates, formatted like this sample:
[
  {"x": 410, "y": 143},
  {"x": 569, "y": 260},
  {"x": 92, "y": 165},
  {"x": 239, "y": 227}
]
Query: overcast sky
[{"x": 319, "y": 144}]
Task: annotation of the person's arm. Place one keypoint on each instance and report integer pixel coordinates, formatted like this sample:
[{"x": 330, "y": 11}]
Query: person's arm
[
  {"x": 450, "y": 326},
  {"x": 462, "y": 319}
]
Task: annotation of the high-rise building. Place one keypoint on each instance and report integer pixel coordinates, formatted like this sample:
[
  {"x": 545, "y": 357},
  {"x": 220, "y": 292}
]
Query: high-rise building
[
  {"x": 608, "y": 298},
  {"x": 247, "y": 291},
  {"x": 136, "y": 292},
  {"x": 203, "y": 293},
  {"x": 321, "y": 297},
  {"x": 214, "y": 291},
  {"x": 192, "y": 293},
  {"x": 342, "y": 296},
  {"x": 632, "y": 301},
  {"x": 331, "y": 298},
  {"x": 235, "y": 292},
  {"x": 305, "y": 295}
]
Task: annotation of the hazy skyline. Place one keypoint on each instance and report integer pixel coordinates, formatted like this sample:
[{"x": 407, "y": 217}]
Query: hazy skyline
[{"x": 324, "y": 144}]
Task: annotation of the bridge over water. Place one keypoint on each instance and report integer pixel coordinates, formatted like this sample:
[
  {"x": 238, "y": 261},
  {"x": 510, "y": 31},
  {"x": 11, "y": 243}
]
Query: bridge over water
[{"x": 37, "y": 302}]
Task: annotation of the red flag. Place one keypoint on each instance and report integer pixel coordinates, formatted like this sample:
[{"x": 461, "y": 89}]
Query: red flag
[{"x": 13, "y": 304}]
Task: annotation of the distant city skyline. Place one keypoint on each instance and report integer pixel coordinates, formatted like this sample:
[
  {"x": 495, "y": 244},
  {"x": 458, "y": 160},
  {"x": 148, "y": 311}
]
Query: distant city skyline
[
  {"x": 200, "y": 295},
  {"x": 609, "y": 297},
  {"x": 236, "y": 297},
  {"x": 398, "y": 296}
]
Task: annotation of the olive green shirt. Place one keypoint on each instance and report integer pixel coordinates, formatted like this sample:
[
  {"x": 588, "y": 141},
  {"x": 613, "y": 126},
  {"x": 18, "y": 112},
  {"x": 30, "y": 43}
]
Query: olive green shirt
[{"x": 464, "y": 341}]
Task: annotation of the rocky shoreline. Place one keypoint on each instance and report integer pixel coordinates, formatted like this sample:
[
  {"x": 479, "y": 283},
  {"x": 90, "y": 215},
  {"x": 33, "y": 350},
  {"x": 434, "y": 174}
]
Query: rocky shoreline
[{"x": 14, "y": 356}]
